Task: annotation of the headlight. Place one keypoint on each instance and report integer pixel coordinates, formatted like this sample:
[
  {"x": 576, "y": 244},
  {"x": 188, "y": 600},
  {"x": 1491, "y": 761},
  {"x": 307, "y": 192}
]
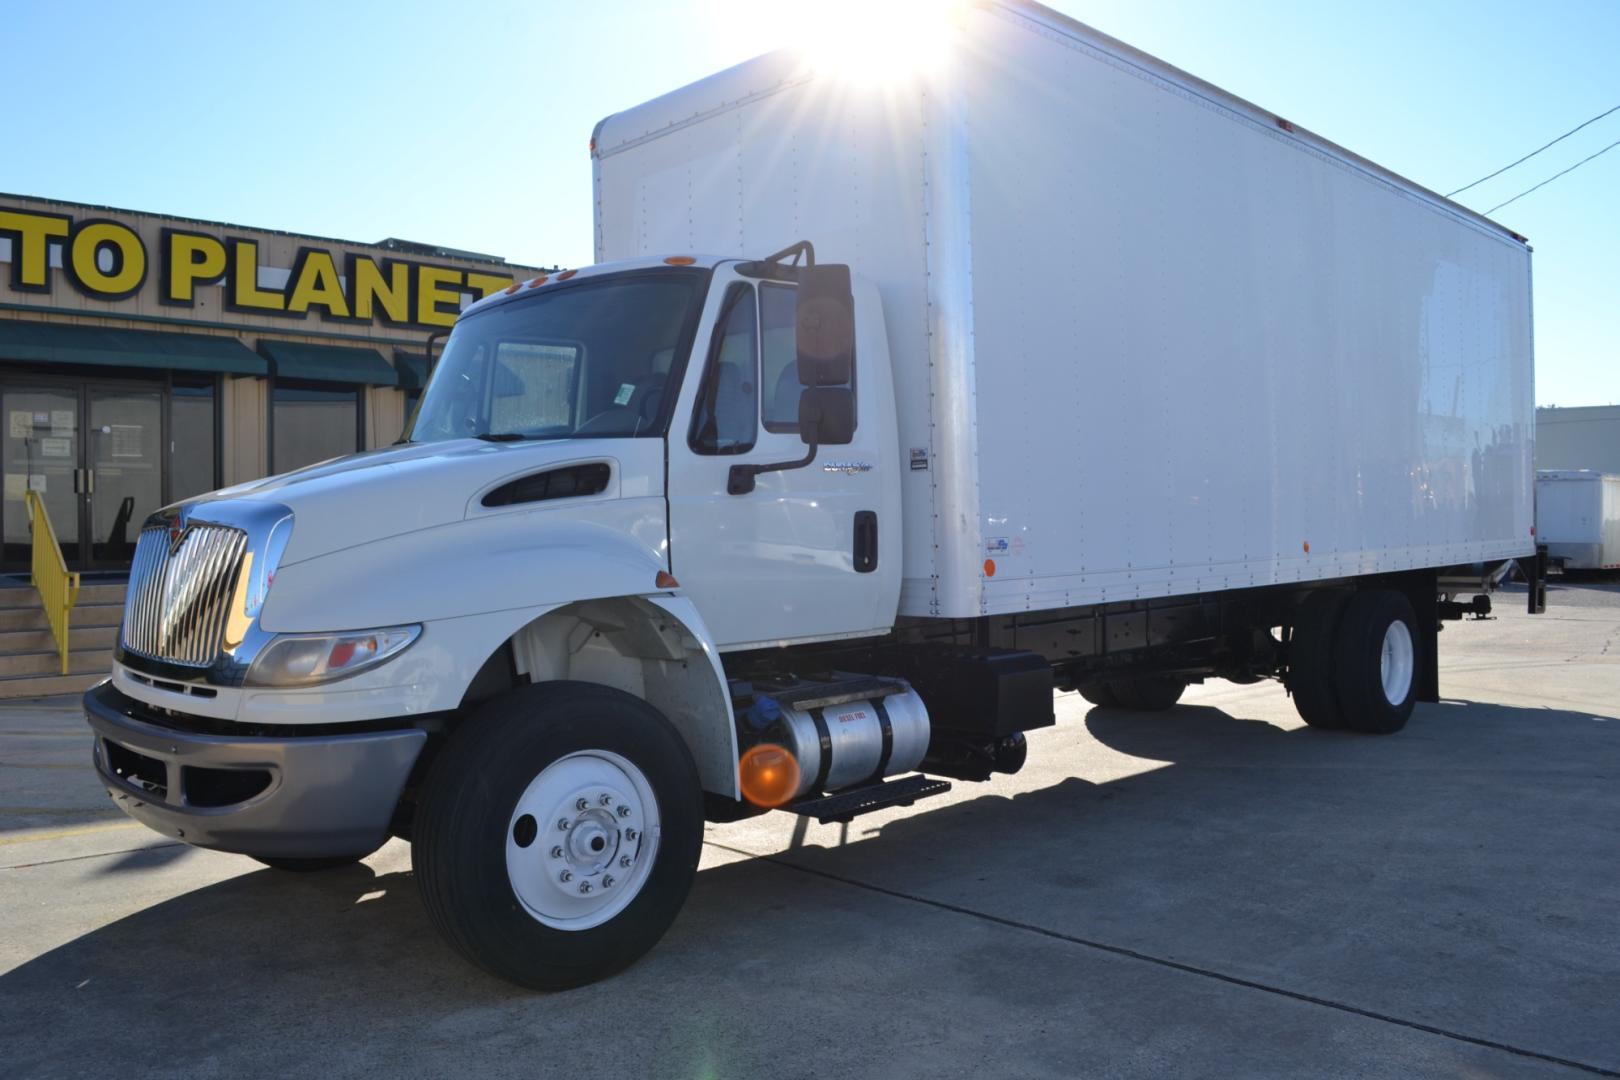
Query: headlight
[{"x": 306, "y": 659}]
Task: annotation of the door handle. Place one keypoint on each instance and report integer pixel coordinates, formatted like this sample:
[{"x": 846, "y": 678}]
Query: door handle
[{"x": 866, "y": 541}]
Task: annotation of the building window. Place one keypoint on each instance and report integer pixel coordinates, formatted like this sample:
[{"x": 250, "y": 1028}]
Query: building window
[
  {"x": 193, "y": 442},
  {"x": 312, "y": 422}
]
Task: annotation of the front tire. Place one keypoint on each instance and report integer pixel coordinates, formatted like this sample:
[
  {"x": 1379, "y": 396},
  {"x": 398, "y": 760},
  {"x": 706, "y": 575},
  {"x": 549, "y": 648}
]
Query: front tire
[{"x": 558, "y": 834}]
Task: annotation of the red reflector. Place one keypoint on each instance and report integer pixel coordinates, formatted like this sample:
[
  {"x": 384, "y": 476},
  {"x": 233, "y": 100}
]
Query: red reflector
[{"x": 342, "y": 653}]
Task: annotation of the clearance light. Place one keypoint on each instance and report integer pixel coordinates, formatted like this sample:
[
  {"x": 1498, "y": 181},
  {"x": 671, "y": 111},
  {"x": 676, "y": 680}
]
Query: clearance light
[
  {"x": 537, "y": 282},
  {"x": 512, "y": 288},
  {"x": 666, "y": 580},
  {"x": 307, "y": 659},
  {"x": 769, "y": 775},
  {"x": 679, "y": 260},
  {"x": 989, "y": 568},
  {"x": 566, "y": 274}
]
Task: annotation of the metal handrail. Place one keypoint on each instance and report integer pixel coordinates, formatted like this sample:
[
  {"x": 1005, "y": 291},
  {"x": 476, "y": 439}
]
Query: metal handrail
[{"x": 57, "y": 585}]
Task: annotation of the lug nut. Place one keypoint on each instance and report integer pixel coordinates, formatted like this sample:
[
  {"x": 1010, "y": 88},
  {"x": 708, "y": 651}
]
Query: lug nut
[
  {"x": 607, "y": 881},
  {"x": 584, "y": 887},
  {"x": 624, "y": 811},
  {"x": 580, "y": 804},
  {"x": 562, "y": 823},
  {"x": 566, "y": 876},
  {"x": 624, "y": 861},
  {"x": 556, "y": 852},
  {"x": 629, "y": 834},
  {"x": 606, "y": 799}
]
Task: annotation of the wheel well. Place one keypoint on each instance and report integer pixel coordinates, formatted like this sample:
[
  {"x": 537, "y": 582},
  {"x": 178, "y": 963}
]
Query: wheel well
[{"x": 635, "y": 646}]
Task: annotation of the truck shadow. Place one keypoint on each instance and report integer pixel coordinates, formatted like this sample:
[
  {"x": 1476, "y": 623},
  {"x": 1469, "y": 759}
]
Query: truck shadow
[{"x": 1221, "y": 840}]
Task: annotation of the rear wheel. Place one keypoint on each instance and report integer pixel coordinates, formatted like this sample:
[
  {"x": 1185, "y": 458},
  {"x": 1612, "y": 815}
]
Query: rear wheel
[
  {"x": 1312, "y": 660},
  {"x": 558, "y": 834},
  {"x": 1376, "y": 652},
  {"x": 1100, "y": 693},
  {"x": 1154, "y": 693}
]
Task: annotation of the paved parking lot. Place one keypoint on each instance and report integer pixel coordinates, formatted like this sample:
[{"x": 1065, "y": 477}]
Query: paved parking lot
[{"x": 1216, "y": 891}]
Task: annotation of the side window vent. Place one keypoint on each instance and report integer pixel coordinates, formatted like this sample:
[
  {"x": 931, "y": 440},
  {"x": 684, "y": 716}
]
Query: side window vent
[{"x": 565, "y": 483}]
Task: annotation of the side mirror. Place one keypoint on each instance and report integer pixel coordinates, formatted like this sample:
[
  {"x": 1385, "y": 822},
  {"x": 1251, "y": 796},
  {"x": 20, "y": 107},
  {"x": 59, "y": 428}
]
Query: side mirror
[
  {"x": 824, "y": 322},
  {"x": 827, "y": 416}
]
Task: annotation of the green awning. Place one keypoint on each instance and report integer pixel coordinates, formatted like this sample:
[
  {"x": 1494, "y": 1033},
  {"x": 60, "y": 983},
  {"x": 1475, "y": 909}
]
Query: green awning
[
  {"x": 412, "y": 368},
  {"x": 55, "y": 343},
  {"x": 329, "y": 363}
]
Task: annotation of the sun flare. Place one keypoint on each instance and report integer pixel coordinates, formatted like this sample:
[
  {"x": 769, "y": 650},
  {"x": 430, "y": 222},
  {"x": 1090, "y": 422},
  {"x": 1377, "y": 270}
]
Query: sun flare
[{"x": 866, "y": 41}]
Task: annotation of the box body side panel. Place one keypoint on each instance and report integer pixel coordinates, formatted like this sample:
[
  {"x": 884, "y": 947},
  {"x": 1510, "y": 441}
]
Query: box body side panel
[{"x": 1210, "y": 356}]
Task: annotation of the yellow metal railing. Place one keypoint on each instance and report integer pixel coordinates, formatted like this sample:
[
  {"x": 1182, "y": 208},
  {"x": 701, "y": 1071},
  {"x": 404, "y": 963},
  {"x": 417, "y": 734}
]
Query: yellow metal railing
[{"x": 58, "y": 587}]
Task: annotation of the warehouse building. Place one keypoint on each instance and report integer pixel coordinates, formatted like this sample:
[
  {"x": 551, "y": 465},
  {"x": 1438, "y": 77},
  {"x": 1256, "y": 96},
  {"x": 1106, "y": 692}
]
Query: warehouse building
[
  {"x": 145, "y": 359},
  {"x": 1581, "y": 437}
]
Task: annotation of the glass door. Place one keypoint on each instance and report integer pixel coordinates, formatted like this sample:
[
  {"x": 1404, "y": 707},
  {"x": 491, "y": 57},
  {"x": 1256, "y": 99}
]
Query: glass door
[
  {"x": 123, "y": 446},
  {"x": 41, "y": 451}
]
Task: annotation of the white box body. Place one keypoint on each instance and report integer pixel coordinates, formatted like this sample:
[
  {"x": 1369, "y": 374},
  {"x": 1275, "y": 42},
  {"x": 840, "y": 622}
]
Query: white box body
[
  {"x": 1148, "y": 339},
  {"x": 1578, "y": 518}
]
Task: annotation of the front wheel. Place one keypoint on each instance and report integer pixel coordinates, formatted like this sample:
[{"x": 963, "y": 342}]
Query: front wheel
[{"x": 558, "y": 834}]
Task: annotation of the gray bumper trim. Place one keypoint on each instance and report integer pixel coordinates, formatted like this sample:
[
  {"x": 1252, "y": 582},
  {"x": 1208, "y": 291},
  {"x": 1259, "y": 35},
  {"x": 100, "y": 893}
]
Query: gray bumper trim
[{"x": 327, "y": 794}]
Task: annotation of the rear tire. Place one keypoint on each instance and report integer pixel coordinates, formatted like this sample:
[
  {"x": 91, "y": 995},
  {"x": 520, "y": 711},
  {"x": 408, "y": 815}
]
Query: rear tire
[
  {"x": 1100, "y": 694},
  {"x": 1155, "y": 693},
  {"x": 544, "y": 802},
  {"x": 1312, "y": 660},
  {"x": 1376, "y": 654}
]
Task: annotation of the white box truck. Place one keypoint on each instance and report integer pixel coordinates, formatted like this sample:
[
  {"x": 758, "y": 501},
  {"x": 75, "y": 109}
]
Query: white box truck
[
  {"x": 1069, "y": 370},
  {"x": 1578, "y": 518}
]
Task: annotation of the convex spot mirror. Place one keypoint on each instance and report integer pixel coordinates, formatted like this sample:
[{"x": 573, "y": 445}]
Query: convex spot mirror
[
  {"x": 824, "y": 324},
  {"x": 827, "y": 415}
]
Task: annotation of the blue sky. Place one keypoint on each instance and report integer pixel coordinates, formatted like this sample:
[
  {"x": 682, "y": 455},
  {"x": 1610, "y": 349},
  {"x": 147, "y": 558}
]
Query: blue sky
[{"x": 467, "y": 125}]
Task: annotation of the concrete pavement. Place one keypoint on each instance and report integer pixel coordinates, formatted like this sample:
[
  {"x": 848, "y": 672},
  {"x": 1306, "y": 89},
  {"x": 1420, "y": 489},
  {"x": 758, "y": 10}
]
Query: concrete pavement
[{"x": 1216, "y": 891}]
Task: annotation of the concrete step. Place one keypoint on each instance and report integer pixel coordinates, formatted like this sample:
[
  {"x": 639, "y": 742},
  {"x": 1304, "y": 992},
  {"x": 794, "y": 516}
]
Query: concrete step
[
  {"x": 83, "y": 615},
  {"x": 32, "y": 686},
  {"x": 79, "y": 637},
  {"x": 85, "y": 662},
  {"x": 19, "y": 596}
]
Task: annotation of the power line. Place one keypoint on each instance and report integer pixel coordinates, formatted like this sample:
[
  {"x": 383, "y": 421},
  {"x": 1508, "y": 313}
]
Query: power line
[
  {"x": 1533, "y": 153},
  {"x": 1553, "y": 177}
]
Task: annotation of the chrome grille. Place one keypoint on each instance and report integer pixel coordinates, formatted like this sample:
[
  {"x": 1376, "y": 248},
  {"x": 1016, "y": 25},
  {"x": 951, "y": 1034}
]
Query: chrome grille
[{"x": 180, "y": 592}]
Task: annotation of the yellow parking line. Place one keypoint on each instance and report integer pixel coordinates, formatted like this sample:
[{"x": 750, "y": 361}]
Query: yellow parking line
[{"x": 61, "y": 834}]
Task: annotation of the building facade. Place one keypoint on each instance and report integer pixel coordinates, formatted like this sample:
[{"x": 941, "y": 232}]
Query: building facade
[
  {"x": 145, "y": 359},
  {"x": 1581, "y": 437}
]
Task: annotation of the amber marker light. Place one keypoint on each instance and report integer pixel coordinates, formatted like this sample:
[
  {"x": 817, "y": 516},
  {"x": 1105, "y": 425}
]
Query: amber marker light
[
  {"x": 539, "y": 281},
  {"x": 679, "y": 260},
  {"x": 512, "y": 288},
  {"x": 989, "y": 568},
  {"x": 666, "y": 580},
  {"x": 1307, "y": 546},
  {"x": 566, "y": 274},
  {"x": 769, "y": 775}
]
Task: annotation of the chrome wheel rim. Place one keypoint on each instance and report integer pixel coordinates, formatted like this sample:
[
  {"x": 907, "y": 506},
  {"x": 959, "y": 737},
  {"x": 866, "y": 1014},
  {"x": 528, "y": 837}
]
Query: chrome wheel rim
[{"x": 582, "y": 840}]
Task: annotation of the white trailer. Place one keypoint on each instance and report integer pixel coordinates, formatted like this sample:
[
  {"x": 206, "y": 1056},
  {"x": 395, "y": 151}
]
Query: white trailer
[
  {"x": 1578, "y": 518},
  {"x": 1071, "y": 370}
]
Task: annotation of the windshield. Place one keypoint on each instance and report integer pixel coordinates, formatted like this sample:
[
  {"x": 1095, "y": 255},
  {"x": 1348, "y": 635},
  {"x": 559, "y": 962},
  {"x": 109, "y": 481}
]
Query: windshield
[{"x": 587, "y": 360}]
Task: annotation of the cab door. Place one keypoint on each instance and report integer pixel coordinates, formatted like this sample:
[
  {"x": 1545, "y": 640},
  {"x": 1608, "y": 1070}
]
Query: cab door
[{"x": 810, "y": 552}]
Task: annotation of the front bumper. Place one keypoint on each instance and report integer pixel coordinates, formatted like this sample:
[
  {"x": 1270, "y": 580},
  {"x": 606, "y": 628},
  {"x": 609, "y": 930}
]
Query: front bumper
[{"x": 290, "y": 796}]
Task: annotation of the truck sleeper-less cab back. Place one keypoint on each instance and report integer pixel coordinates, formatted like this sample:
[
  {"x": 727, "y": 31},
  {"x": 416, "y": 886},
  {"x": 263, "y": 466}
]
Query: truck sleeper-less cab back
[{"x": 1133, "y": 386}]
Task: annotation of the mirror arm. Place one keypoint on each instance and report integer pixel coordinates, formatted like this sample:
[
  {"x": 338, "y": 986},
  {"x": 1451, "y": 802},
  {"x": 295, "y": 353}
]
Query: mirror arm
[{"x": 740, "y": 481}]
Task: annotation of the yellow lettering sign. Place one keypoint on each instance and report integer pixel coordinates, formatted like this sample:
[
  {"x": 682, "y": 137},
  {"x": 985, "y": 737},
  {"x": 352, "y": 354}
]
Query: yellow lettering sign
[
  {"x": 484, "y": 284},
  {"x": 372, "y": 292},
  {"x": 126, "y": 259},
  {"x": 245, "y": 292},
  {"x": 30, "y": 247},
  {"x": 315, "y": 283},
  {"x": 437, "y": 301},
  {"x": 189, "y": 260}
]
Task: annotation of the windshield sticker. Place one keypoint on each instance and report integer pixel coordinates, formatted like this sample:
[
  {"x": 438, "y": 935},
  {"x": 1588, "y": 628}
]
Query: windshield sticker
[{"x": 626, "y": 390}]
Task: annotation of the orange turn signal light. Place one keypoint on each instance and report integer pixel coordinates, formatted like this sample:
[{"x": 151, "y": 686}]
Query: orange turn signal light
[
  {"x": 769, "y": 775},
  {"x": 666, "y": 580}
]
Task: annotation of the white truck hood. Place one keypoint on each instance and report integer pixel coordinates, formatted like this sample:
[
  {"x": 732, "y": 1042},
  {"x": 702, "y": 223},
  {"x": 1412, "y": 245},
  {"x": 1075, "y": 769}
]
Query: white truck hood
[{"x": 399, "y": 489}]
